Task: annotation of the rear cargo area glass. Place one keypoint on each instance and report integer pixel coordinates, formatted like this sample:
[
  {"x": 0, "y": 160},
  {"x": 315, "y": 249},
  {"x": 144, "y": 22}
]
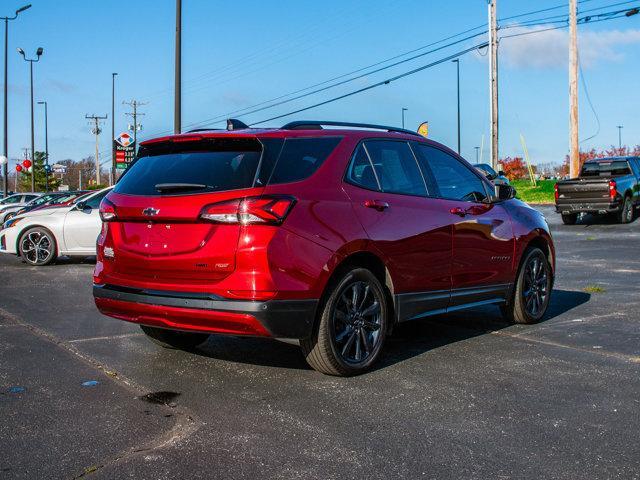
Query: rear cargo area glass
[{"x": 210, "y": 166}]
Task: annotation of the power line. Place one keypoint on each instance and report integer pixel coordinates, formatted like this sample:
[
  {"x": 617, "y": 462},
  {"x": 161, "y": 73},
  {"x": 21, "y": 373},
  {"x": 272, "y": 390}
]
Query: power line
[{"x": 383, "y": 82}]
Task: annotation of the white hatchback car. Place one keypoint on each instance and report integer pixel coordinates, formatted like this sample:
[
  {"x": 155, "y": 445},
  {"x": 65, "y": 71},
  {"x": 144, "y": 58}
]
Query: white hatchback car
[{"x": 41, "y": 236}]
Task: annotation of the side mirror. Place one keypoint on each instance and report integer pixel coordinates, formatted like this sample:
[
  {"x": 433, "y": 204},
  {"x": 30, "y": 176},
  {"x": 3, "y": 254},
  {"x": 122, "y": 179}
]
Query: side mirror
[
  {"x": 81, "y": 206},
  {"x": 504, "y": 192},
  {"x": 500, "y": 173}
]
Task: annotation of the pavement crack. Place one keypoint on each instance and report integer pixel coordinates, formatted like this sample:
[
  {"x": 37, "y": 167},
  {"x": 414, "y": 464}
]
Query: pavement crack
[{"x": 185, "y": 424}]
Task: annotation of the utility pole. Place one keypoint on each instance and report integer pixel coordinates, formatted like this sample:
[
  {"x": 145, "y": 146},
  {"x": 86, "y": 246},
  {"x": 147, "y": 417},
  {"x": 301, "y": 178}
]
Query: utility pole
[
  {"x": 403, "y": 110},
  {"x": 477, "y": 154},
  {"x": 134, "y": 104},
  {"x": 177, "y": 107},
  {"x": 493, "y": 80},
  {"x": 457, "y": 62},
  {"x": 96, "y": 130},
  {"x": 620, "y": 127},
  {"x": 46, "y": 146},
  {"x": 574, "y": 147},
  {"x": 113, "y": 127}
]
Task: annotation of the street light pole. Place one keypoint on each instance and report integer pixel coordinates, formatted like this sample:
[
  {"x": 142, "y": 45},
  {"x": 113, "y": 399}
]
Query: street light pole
[
  {"x": 46, "y": 146},
  {"x": 177, "y": 106},
  {"x": 33, "y": 152},
  {"x": 620, "y": 127},
  {"x": 403, "y": 110},
  {"x": 113, "y": 132},
  {"x": 5, "y": 171},
  {"x": 457, "y": 62}
]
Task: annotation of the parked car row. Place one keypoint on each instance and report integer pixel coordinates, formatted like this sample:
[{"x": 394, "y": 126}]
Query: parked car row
[{"x": 329, "y": 236}]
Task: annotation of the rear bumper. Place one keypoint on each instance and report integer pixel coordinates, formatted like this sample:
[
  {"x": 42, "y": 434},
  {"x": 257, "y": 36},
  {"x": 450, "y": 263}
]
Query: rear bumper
[
  {"x": 588, "y": 207},
  {"x": 207, "y": 313}
]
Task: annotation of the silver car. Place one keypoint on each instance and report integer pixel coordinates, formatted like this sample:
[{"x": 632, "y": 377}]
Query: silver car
[
  {"x": 15, "y": 202},
  {"x": 497, "y": 178}
]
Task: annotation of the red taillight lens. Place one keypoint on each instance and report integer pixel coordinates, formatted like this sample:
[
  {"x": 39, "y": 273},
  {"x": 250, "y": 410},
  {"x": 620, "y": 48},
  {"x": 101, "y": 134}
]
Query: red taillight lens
[
  {"x": 269, "y": 209},
  {"x": 612, "y": 190},
  {"x": 107, "y": 211},
  {"x": 555, "y": 191}
]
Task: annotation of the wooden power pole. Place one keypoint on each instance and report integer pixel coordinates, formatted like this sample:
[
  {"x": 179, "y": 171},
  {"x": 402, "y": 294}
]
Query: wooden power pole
[
  {"x": 493, "y": 81},
  {"x": 96, "y": 130},
  {"x": 574, "y": 149}
]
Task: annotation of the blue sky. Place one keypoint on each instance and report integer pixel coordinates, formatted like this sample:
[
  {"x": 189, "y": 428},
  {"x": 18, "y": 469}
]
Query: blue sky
[{"x": 236, "y": 54}]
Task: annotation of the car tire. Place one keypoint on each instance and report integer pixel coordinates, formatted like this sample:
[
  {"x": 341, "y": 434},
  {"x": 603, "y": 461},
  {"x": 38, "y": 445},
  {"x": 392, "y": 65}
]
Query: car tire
[
  {"x": 625, "y": 215},
  {"x": 37, "y": 246},
  {"x": 532, "y": 292},
  {"x": 174, "y": 339},
  {"x": 569, "y": 218},
  {"x": 353, "y": 321}
]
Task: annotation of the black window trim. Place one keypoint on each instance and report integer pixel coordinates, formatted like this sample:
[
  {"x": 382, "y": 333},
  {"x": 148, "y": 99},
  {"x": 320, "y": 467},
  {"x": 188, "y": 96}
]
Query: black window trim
[
  {"x": 362, "y": 142},
  {"x": 458, "y": 159}
]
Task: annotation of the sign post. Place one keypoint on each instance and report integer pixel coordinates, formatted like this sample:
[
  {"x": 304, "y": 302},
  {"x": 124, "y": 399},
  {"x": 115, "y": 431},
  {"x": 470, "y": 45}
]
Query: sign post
[{"x": 125, "y": 150}]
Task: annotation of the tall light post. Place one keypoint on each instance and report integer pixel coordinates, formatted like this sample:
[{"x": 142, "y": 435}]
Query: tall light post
[
  {"x": 46, "y": 147},
  {"x": 457, "y": 62},
  {"x": 113, "y": 131},
  {"x": 403, "y": 110},
  {"x": 620, "y": 127},
  {"x": 5, "y": 171},
  {"x": 177, "y": 105},
  {"x": 33, "y": 152}
]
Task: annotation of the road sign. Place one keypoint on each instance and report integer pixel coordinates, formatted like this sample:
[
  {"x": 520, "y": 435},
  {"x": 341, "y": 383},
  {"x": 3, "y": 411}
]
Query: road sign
[
  {"x": 57, "y": 168},
  {"x": 125, "y": 150}
]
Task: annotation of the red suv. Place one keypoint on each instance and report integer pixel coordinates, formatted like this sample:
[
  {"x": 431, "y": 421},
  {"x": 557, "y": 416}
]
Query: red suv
[{"x": 326, "y": 235}]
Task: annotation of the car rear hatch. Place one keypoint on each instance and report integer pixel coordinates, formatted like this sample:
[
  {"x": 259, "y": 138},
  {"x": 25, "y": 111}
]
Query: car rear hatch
[
  {"x": 582, "y": 191},
  {"x": 158, "y": 234}
]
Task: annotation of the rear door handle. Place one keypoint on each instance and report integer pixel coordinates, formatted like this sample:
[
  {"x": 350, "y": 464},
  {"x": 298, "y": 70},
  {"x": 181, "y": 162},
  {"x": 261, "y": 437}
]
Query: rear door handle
[
  {"x": 376, "y": 205},
  {"x": 458, "y": 211}
]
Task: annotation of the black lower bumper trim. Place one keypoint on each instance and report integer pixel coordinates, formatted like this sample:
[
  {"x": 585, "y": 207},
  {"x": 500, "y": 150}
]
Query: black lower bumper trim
[{"x": 282, "y": 318}]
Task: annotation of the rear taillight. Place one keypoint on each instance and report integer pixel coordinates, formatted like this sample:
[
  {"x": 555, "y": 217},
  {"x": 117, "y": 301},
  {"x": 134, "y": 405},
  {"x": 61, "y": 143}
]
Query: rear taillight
[
  {"x": 269, "y": 210},
  {"x": 555, "y": 190},
  {"x": 612, "y": 190},
  {"x": 107, "y": 211}
]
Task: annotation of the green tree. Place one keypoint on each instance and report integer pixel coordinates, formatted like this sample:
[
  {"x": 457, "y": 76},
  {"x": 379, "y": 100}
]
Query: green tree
[{"x": 38, "y": 170}]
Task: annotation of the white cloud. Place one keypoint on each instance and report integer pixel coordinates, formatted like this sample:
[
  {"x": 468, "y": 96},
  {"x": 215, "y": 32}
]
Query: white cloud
[{"x": 551, "y": 48}]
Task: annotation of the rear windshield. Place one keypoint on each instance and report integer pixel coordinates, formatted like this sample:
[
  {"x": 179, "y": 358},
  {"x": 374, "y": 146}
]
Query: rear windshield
[
  {"x": 195, "y": 167},
  {"x": 605, "y": 169}
]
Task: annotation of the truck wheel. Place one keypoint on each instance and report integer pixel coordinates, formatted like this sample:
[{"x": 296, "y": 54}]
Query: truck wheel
[
  {"x": 569, "y": 218},
  {"x": 625, "y": 215},
  {"x": 174, "y": 339},
  {"x": 352, "y": 327},
  {"x": 532, "y": 290}
]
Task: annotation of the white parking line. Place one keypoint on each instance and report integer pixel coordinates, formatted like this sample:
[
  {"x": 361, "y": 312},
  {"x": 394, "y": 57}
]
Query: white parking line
[{"x": 109, "y": 337}]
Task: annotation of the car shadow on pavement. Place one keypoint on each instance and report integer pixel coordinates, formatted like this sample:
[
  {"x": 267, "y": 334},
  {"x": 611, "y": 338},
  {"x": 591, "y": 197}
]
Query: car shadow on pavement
[
  {"x": 609, "y": 219},
  {"x": 409, "y": 339},
  {"x": 415, "y": 338}
]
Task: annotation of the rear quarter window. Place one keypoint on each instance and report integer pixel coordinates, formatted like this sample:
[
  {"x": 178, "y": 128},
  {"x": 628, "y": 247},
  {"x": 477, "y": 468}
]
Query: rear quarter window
[{"x": 301, "y": 157}]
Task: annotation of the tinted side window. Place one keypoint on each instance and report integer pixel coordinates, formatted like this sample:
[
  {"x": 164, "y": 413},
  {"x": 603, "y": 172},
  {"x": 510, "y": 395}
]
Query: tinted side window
[
  {"x": 361, "y": 171},
  {"x": 395, "y": 167},
  {"x": 453, "y": 178},
  {"x": 94, "y": 202},
  {"x": 301, "y": 157}
]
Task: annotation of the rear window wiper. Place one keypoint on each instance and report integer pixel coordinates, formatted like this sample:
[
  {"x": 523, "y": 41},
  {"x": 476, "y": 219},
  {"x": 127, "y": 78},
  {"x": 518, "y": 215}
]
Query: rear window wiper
[{"x": 169, "y": 187}]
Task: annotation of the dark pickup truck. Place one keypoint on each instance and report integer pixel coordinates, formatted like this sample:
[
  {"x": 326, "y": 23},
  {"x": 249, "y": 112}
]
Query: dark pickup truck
[{"x": 605, "y": 185}]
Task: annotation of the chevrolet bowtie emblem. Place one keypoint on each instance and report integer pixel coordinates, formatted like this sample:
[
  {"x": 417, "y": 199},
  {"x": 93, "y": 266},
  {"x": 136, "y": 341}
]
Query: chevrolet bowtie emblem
[{"x": 150, "y": 211}]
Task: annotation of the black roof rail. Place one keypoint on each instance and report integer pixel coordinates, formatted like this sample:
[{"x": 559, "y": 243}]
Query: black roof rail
[
  {"x": 232, "y": 124},
  {"x": 203, "y": 130},
  {"x": 317, "y": 125}
]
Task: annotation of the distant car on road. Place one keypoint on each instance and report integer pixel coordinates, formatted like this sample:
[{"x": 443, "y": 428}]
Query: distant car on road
[
  {"x": 47, "y": 201},
  {"x": 329, "y": 236},
  {"x": 40, "y": 236},
  {"x": 497, "y": 178},
  {"x": 605, "y": 185},
  {"x": 15, "y": 202}
]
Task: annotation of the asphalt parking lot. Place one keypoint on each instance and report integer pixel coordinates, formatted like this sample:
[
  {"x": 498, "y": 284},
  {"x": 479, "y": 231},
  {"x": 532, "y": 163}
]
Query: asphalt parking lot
[{"x": 458, "y": 396}]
